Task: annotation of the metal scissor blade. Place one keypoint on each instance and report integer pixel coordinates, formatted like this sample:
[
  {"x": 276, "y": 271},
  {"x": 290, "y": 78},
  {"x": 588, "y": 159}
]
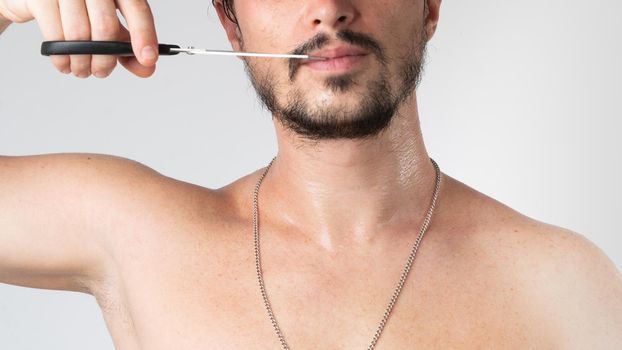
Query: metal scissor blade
[{"x": 193, "y": 51}]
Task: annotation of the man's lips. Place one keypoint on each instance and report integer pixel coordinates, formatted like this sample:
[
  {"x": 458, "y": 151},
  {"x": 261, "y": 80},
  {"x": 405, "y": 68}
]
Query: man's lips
[
  {"x": 338, "y": 52},
  {"x": 340, "y": 58}
]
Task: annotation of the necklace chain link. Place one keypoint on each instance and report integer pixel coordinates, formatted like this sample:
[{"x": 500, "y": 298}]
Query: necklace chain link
[{"x": 396, "y": 292}]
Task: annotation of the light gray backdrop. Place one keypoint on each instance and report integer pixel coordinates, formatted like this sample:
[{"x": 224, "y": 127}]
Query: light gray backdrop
[{"x": 520, "y": 100}]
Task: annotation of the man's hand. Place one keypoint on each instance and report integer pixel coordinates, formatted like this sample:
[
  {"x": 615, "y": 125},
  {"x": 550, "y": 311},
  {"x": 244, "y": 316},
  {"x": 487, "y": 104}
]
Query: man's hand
[
  {"x": 92, "y": 20},
  {"x": 3, "y": 24}
]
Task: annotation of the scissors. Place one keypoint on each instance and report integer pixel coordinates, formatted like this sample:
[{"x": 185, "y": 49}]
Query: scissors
[{"x": 122, "y": 48}]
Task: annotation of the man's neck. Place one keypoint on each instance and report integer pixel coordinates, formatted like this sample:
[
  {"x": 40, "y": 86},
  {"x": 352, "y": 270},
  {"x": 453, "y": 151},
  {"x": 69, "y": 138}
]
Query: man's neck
[{"x": 348, "y": 192}]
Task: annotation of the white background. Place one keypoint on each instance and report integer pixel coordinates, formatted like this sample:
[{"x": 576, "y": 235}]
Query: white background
[{"x": 520, "y": 100}]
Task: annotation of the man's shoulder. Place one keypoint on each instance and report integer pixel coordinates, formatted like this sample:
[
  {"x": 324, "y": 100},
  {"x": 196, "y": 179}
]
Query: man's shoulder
[
  {"x": 543, "y": 247},
  {"x": 567, "y": 280},
  {"x": 121, "y": 189},
  {"x": 126, "y": 187},
  {"x": 493, "y": 223},
  {"x": 574, "y": 285}
]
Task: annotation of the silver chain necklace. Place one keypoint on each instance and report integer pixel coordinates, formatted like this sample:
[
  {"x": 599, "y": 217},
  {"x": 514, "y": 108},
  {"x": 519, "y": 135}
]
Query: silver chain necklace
[{"x": 398, "y": 289}]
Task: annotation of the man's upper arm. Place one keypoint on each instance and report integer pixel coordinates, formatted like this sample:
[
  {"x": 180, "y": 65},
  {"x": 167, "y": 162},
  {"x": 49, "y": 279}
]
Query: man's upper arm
[{"x": 54, "y": 212}]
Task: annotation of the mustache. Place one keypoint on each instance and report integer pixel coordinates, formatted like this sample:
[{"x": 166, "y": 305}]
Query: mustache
[{"x": 322, "y": 39}]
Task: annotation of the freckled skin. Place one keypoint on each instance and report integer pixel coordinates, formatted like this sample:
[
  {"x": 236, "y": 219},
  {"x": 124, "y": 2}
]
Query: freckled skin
[{"x": 485, "y": 276}]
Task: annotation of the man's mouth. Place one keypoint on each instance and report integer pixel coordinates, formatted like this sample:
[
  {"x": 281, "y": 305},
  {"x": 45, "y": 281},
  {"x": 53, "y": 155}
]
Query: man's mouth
[{"x": 337, "y": 59}]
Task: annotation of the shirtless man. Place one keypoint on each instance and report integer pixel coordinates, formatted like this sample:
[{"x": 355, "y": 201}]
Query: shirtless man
[{"x": 172, "y": 264}]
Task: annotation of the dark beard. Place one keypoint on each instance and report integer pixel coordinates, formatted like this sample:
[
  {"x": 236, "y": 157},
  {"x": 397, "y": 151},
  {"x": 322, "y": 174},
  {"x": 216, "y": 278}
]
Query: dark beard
[
  {"x": 371, "y": 116},
  {"x": 377, "y": 107}
]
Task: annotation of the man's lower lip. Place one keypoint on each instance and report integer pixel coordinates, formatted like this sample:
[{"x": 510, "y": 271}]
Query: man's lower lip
[{"x": 335, "y": 64}]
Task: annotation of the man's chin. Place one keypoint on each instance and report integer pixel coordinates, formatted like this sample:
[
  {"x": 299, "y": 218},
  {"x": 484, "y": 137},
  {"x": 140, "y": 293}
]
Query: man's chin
[
  {"x": 343, "y": 83},
  {"x": 336, "y": 92},
  {"x": 327, "y": 102},
  {"x": 337, "y": 123}
]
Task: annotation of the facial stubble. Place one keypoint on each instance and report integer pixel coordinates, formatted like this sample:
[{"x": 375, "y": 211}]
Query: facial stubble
[{"x": 377, "y": 104}]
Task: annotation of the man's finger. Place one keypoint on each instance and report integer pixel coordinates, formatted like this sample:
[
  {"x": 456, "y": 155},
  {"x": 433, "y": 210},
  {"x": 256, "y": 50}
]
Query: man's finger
[
  {"x": 48, "y": 19},
  {"x": 130, "y": 62},
  {"x": 17, "y": 11},
  {"x": 76, "y": 26},
  {"x": 139, "y": 18},
  {"x": 104, "y": 26}
]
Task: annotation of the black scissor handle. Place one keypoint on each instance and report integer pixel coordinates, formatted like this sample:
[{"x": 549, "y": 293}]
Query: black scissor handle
[{"x": 89, "y": 47}]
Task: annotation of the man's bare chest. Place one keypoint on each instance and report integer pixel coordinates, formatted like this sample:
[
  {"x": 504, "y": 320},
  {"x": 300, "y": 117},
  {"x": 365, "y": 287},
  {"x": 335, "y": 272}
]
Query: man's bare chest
[{"x": 180, "y": 289}]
